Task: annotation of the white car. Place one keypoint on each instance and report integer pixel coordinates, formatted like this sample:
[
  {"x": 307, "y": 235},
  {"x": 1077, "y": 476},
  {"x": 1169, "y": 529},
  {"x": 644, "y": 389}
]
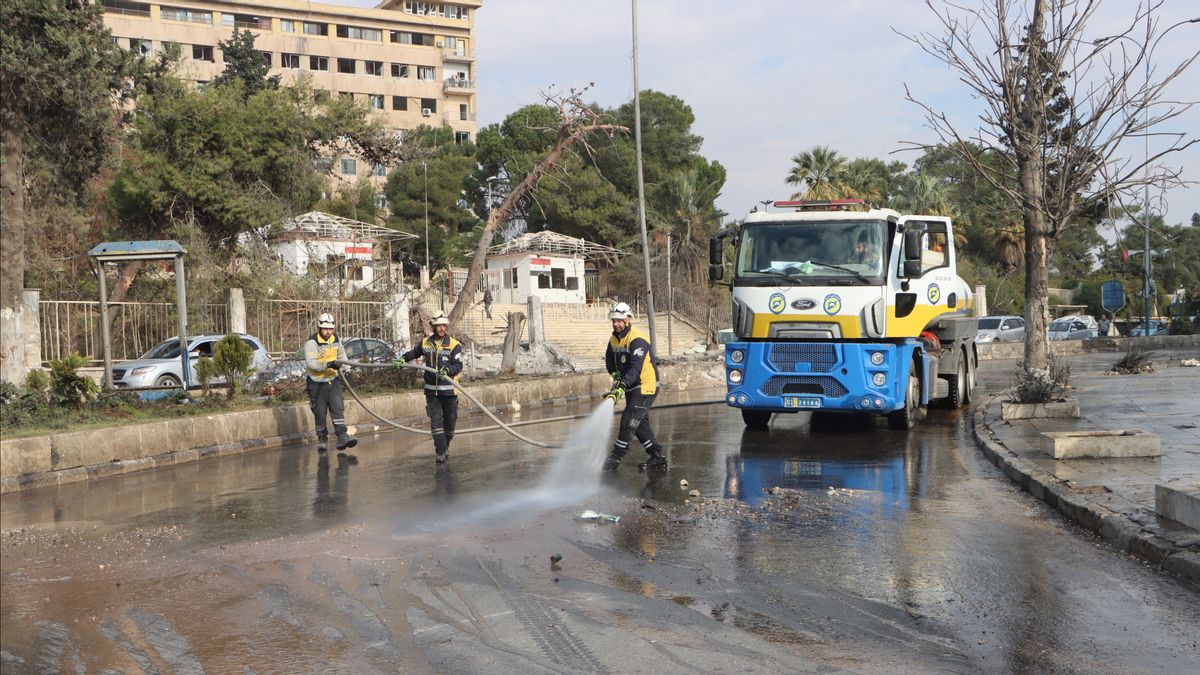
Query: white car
[
  {"x": 161, "y": 366},
  {"x": 1000, "y": 329},
  {"x": 1080, "y": 327}
]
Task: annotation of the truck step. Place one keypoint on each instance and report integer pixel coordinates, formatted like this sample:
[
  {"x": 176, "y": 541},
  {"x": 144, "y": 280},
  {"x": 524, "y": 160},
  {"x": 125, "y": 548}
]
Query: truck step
[{"x": 941, "y": 389}]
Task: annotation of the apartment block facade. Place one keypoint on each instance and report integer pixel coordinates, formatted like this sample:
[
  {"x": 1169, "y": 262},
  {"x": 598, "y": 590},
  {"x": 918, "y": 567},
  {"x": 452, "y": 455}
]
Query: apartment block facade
[{"x": 411, "y": 63}]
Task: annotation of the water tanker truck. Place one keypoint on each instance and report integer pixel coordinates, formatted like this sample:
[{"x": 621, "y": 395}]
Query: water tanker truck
[{"x": 840, "y": 309}]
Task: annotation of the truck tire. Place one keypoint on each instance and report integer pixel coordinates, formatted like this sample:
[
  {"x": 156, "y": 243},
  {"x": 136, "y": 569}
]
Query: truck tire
[
  {"x": 960, "y": 386},
  {"x": 906, "y": 417},
  {"x": 756, "y": 419},
  {"x": 972, "y": 364}
]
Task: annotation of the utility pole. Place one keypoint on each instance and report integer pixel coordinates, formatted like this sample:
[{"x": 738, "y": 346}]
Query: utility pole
[
  {"x": 425, "y": 169},
  {"x": 1146, "y": 205},
  {"x": 670, "y": 298},
  {"x": 637, "y": 141}
]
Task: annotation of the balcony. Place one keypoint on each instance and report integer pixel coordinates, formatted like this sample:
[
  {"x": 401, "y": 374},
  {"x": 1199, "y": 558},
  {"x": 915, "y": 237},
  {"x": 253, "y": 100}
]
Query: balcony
[
  {"x": 458, "y": 55},
  {"x": 455, "y": 85}
]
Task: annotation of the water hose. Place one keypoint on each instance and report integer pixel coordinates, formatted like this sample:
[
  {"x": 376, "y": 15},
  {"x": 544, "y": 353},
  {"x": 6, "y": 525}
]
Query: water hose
[{"x": 508, "y": 427}]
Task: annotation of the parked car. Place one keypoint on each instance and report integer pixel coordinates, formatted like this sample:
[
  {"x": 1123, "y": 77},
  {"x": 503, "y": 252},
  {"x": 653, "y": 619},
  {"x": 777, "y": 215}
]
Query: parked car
[
  {"x": 161, "y": 367},
  {"x": 1000, "y": 329},
  {"x": 1080, "y": 327},
  {"x": 365, "y": 350},
  {"x": 1157, "y": 327}
]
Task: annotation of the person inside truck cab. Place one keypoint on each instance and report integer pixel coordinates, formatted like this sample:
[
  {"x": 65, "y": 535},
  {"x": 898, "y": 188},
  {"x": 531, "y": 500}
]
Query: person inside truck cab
[{"x": 866, "y": 251}]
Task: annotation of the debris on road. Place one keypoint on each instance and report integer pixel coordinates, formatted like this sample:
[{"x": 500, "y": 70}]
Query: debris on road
[{"x": 599, "y": 517}]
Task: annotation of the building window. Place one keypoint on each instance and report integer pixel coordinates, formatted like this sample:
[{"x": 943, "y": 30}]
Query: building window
[
  {"x": 245, "y": 21},
  {"x": 287, "y": 26},
  {"x": 289, "y": 60},
  {"x": 380, "y": 201},
  {"x": 399, "y": 70},
  {"x": 461, "y": 137},
  {"x": 421, "y": 8},
  {"x": 558, "y": 277},
  {"x": 318, "y": 63},
  {"x": 126, "y": 7},
  {"x": 572, "y": 283},
  {"x": 515, "y": 278},
  {"x": 201, "y": 84},
  {"x": 202, "y": 53},
  {"x": 454, "y": 11},
  {"x": 462, "y": 111},
  {"x": 429, "y": 104},
  {"x": 267, "y": 58},
  {"x": 399, "y": 103},
  {"x": 543, "y": 279},
  {"x": 346, "y": 66},
  {"x": 406, "y": 38},
  {"x": 378, "y": 170},
  {"x": 426, "y": 73},
  {"x": 189, "y": 15},
  {"x": 321, "y": 95},
  {"x": 358, "y": 33},
  {"x": 348, "y": 166},
  {"x": 141, "y": 47},
  {"x": 375, "y": 101},
  {"x": 374, "y": 68},
  {"x": 346, "y": 95},
  {"x": 311, "y": 28}
]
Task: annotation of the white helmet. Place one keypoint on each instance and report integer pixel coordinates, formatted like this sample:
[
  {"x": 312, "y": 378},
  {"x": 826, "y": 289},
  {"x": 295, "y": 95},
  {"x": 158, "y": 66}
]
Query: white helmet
[
  {"x": 439, "y": 319},
  {"x": 325, "y": 320},
  {"x": 620, "y": 311}
]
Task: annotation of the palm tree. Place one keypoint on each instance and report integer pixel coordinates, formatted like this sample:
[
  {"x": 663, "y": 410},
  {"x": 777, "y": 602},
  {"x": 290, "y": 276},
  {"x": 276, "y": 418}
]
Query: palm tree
[
  {"x": 923, "y": 194},
  {"x": 690, "y": 217},
  {"x": 821, "y": 172}
]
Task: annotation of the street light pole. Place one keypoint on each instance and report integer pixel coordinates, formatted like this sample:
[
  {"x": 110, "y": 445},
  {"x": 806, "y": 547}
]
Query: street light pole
[
  {"x": 637, "y": 141},
  {"x": 1146, "y": 201},
  {"x": 425, "y": 169}
]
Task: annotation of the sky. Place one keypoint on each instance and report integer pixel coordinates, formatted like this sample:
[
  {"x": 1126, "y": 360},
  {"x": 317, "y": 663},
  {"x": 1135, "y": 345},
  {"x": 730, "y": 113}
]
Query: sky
[{"x": 767, "y": 79}]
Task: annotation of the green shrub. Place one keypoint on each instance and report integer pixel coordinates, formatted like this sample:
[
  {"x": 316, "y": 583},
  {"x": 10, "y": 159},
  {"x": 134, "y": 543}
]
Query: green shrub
[
  {"x": 232, "y": 358},
  {"x": 23, "y": 407},
  {"x": 37, "y": 381},
  {"x": 67, "y": 386},
  {"x": 1182, "y": 326},
  {"x": 206, "y": 370}
]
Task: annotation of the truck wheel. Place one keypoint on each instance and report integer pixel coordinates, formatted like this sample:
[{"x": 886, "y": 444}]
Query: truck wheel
[
  {"x": 756, "y": 419},
  {"x": 959, "y": 386},
  {"x": 905, "y": 418},
  {"x": 972, "y": 364}
]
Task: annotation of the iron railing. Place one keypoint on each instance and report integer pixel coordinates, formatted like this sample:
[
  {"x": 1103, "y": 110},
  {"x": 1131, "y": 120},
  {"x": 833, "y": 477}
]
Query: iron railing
[
  {"x": 284, "y": 325},
  {"x": 73, "y": 327}
]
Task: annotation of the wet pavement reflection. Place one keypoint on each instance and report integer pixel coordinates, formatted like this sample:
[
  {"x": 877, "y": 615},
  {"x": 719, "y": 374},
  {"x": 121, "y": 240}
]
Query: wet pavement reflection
[{"x": 880, "y": 549}]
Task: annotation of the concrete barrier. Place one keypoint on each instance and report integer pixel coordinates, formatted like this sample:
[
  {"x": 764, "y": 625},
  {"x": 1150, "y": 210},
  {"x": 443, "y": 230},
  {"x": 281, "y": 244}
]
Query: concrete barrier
[
  {"x": 27, "y": 463},
  {"x": 1016, "y": 350}
]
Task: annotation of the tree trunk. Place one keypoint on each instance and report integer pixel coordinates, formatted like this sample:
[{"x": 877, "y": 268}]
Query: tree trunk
[
  {"x": 1030, "y": 124},
  {"x": 512, "y": 342},
  {"x": 12, "y": 256}
]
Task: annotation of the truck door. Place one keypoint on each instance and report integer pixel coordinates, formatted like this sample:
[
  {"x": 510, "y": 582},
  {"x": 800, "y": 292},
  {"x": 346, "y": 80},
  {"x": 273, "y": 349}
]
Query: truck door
[{"x": 927, "y": 283}]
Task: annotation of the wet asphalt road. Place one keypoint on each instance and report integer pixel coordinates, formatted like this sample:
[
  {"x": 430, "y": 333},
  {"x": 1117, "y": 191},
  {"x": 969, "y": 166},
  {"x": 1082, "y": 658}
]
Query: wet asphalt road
[{"x": 920, "y": 558}]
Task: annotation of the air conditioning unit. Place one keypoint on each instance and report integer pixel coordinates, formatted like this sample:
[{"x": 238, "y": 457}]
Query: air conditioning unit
[
  {"x": 426, "y": 112},
  {"x": 440, "y": 43}
]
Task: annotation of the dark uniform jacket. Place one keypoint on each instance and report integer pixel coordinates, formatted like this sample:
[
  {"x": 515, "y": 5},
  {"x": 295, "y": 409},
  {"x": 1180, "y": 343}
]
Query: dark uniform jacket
[
  {"x": 446, "y": 354},
  {"x": 628, "y": 355}
]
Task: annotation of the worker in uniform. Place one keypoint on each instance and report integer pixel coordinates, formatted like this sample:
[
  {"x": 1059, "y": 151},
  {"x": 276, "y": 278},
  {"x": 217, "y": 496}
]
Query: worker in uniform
[
  {"x": 635, "y": 377},
  {"x": 444, "y": 354},
  {"x": 321, "y": 364}
]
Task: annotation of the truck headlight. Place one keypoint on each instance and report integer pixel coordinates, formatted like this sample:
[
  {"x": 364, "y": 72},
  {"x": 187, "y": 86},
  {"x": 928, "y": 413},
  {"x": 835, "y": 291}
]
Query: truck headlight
[
  {"x": 737, "y": 356},
  {"x": 877, "y": 358},
  {"x": 879, "y": 379},
  {"x": 735, "y": 376}
]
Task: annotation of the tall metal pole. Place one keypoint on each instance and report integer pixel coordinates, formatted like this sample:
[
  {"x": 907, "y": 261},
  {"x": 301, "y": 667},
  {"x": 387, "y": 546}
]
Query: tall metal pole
[
  {"x": 637, "y": 141},
  {"x": 1146, "y": 203},
  {"x": 104, "y": 329},
  {"x": 181, "y": 310},
  {"x": 425, "y": 168},
  {"x": 670, "y": 298}
]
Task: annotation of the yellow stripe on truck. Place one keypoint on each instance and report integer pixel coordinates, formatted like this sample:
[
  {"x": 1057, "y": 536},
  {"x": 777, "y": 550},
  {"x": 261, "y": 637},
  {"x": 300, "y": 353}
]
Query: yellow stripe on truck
[
  {"x": 918, "y": 320},
  {"x": 849, "y": 324}
]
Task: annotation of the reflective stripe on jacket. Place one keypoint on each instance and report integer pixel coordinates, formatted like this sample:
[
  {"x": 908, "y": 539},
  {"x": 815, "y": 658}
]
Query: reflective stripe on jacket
[
  {"x": 628, "y": 354},
  {"x": 446, "y": 354},
  {"x": 318, "y": 353}
]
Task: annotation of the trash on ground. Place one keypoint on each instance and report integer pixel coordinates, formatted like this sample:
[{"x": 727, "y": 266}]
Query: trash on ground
[
  {"x": 1190, "y": 363},
  {"x": 557, "y": 557},
  {"x": 600, "y": 517},
  {"x": 695, "y": 494},
  {"x": 683, "y": 484}
]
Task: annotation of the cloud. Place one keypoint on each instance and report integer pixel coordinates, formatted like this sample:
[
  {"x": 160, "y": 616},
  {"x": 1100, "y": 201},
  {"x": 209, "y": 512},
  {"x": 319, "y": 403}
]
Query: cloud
[{"x": 765, "y": 79}]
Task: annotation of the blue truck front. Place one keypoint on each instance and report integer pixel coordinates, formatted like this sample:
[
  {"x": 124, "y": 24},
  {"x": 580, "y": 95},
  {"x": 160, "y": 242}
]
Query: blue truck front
[{"x": 792, "y": 376}]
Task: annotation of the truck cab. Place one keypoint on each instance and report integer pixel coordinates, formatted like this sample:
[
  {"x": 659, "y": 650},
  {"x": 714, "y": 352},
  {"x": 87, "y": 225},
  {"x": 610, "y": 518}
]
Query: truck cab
[{"x": 839, "y": 308}]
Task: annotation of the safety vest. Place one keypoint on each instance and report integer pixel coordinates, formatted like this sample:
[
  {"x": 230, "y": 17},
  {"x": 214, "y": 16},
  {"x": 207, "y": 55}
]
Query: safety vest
[
  {"x": 629, "y": 354},
  {"x": 318, "y": 352},
  {"x": 445, "y": 354}
]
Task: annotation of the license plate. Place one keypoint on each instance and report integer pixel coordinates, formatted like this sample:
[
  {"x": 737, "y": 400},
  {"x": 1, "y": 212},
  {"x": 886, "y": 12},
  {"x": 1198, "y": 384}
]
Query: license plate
[{"x": 801, "y": 402}]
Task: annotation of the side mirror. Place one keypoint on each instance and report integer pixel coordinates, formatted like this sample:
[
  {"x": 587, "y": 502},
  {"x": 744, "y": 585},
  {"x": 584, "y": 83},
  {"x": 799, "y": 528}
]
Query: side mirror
[
  {"x": 912, "y": 268},
  {"x": 716, "y": 272},
  {"x": 912, "y": 245},
  {"x": 714, "y": 251}
]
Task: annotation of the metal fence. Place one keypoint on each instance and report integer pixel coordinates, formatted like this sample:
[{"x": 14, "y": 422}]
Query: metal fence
[
  {"x": 284, "y": 325},
  {"x": 73, "y": 327}
]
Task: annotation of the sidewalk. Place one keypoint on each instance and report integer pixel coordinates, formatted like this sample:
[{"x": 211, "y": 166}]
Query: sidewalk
[{"x": 1113, "y": 497}]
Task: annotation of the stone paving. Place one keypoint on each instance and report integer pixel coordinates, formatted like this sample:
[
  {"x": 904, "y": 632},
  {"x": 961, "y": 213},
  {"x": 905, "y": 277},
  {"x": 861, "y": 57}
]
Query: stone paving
[{"x": 1113, "y": 497}]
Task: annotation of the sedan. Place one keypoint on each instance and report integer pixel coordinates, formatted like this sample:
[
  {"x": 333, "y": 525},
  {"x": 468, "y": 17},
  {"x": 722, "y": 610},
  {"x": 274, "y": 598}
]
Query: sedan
[
  {"x": 1000, "y": 329},
  {"x": 1157, "y": 327},
  {"x": 161, "y": 366},
  {"x": 1072, "y": 328}
]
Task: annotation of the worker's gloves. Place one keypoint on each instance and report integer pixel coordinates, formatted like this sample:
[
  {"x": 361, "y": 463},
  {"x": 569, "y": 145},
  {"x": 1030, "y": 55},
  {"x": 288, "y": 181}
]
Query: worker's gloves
[
  {"x": 335, "y": 365},
  {"x": 616, "y": 378},
  {"x": 399, "y": 362},
  {"x": 443, "y": 373},
  {"x": 616, "y": 393}
]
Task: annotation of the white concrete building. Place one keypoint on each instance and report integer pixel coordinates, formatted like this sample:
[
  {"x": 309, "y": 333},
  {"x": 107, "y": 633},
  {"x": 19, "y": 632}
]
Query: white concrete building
[{"x": 547, "y": 265}]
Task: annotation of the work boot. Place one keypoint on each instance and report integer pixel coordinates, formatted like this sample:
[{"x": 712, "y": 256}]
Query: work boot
[
  {"x": 322, "y": 446},
  {"x": 655, "y": 461},
  {"x": 613, "y": 461},
  {"x": 346, "y": 441},
  {"x": 441, "y": 457}
]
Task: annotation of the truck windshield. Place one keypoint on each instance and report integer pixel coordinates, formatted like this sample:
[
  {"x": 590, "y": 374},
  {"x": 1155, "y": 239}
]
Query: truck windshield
[{"x": 803, "y": 251}]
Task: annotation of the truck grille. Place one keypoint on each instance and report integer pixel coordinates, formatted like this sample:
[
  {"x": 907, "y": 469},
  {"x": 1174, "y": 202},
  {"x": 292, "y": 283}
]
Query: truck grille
[
  {"x": 821, "y": 358},
  {"x": 803, "y": 384}
]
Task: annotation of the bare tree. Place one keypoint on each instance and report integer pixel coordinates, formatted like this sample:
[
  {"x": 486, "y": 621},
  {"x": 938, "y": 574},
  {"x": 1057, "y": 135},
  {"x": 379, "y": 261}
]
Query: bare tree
[
  {"x": 576, "y": 123},
  {"x": 1061, "y": 108}
]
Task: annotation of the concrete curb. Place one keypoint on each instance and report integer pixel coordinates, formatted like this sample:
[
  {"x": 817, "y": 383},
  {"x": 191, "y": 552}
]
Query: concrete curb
[
  {"x": 45, "y": 461},
  {"x": 1116, "y": 528}
]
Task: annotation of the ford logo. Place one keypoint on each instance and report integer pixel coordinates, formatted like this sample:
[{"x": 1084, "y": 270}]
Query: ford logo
[{"x": 804, "y": 303}]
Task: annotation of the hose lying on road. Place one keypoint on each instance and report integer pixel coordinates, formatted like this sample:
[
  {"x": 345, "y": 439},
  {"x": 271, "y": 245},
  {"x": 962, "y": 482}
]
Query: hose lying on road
[{"x": 499, "y": 424}]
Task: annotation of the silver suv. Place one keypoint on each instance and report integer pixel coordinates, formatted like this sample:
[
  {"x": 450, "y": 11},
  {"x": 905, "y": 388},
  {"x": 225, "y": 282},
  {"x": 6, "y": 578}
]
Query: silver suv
[
  {"x": 161, "y": 367},
  {"x": 1000, "y": 329}
]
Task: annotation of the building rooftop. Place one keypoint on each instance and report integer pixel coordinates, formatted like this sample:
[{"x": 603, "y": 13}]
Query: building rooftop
[{"x": 553, "y": 242}]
